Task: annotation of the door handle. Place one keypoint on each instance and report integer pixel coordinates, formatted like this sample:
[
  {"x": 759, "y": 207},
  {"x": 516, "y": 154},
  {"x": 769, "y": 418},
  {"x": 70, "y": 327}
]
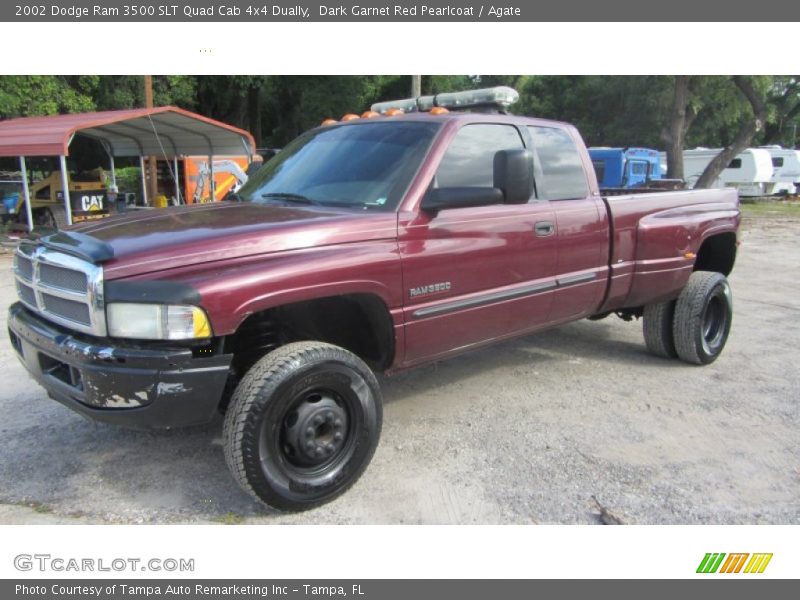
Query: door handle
[{"x": 544, "y": 228}]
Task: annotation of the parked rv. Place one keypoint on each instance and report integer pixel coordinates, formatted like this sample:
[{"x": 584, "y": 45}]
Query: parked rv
[
  {"x": 786, "y": 170},
  {"x": 625, "y": 167},
  {"x": 750, "y": 172}
]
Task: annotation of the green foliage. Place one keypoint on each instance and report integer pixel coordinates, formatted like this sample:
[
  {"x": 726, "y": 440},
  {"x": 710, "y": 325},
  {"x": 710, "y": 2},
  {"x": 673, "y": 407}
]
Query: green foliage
[
  {"x": 608, "y": 110},
  {"x": 175, "y": 90},
  {"x": 229, "y": 518},
  {"x": 129, "y": 179},
  {"x": 298, "y": 103},
  {"x": 32, "y": 95},
  {"x": 720, "y": 109},
  {"x": 783, "y": 103},
  {"x": 770, "y": 209},
  {"x": 127, "y": 91}
]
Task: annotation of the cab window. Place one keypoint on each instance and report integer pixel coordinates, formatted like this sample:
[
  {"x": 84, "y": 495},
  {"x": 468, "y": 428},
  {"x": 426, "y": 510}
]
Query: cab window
[
  {"x": 562, "y": 175},
  {"x": 469, "y": 160}
]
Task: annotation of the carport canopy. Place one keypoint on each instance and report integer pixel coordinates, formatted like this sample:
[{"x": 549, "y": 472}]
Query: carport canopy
[
  {"x": 136, "y": 132},
  {"x": 166, "y": 131}
]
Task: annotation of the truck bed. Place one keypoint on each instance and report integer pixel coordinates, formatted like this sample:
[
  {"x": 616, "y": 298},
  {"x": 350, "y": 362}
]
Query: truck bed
[{"x": 656, "y": 237}]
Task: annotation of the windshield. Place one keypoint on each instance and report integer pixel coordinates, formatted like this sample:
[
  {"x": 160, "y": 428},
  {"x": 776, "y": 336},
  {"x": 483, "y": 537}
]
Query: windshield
[{"x": 367, "y": 166}]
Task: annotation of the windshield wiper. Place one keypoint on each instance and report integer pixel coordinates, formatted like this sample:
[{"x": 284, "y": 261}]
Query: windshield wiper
[{"x": 289, "y": 197}]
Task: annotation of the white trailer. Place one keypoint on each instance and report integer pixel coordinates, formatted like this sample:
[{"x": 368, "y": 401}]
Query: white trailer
[
  {"x": 786, "y": 173},
  {"x": 750, "y": 172}
]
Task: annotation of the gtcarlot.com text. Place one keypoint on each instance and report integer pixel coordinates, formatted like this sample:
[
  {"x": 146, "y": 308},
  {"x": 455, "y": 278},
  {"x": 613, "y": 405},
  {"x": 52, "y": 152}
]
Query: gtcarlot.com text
[{"x": 57, "y": 564}]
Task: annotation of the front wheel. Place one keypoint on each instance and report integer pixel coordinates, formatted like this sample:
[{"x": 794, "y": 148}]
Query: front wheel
[
  {"x": 302, "y": 425},
  {"x": 703, "y": 315}
]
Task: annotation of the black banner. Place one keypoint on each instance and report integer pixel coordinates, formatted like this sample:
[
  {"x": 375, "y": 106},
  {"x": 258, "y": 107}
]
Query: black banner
[{"x": 401, "y": 10}]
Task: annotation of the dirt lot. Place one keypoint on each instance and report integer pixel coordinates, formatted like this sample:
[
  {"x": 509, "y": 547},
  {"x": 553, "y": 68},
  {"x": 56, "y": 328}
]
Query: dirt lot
[{"x": 525, "y": 432}]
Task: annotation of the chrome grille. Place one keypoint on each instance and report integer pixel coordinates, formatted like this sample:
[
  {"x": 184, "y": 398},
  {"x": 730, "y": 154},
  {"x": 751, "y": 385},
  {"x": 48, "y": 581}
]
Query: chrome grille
[
  {"x": 64, "y": 279},
  {"x": 23, "y": 267},
  {"x": 26, "y": 293},
  {"x": 61, "y": 288},
  {"x": 69, "y": 309}
]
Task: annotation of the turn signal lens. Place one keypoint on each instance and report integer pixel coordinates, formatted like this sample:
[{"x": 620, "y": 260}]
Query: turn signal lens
[
  {"x": 157, "y": 321},
  {"x": 202, "y": 328}
]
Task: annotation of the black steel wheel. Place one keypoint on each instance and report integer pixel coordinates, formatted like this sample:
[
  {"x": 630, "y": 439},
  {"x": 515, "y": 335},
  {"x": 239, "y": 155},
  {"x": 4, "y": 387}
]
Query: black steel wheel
[
  {"x": 302, "y": 425},
  {"x": 703, "y": 316}
]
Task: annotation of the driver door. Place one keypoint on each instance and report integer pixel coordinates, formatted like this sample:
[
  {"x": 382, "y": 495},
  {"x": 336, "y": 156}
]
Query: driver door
[{"x": 475, "y": 274}]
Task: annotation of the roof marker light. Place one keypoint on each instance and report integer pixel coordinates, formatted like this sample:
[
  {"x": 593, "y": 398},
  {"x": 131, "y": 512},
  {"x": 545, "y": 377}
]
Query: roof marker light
[
  {"x": 394, "y": 112},
  {"x": 329, "y": 122},
  {"x": 350, "y": 117},
  {"x": 439, "y": 110},
  {"x": 370, "y": 114}
]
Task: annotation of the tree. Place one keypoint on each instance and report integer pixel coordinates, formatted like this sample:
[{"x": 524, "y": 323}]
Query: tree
[
  {"x": 298, "y": 103},
  {"x": 748, "y": 128},
  {"x": 619, "y": 111},
  {"x": 783, "y": 102},
  {"x": 32, "y": 95},
  {"x": 713, "y": 111},
  {"x": 126, "y": 91},
  {"x": 681, "y": 119},
  {"x": 416, "y": 86}
]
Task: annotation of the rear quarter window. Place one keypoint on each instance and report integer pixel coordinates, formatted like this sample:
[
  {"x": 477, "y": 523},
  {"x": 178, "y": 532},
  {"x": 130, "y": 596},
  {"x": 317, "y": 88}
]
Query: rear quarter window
[{"x": 562, "y": 177}]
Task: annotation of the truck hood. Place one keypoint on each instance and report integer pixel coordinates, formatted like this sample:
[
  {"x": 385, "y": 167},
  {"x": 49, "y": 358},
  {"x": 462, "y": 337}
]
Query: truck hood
[{"x": 159, "y": 239}]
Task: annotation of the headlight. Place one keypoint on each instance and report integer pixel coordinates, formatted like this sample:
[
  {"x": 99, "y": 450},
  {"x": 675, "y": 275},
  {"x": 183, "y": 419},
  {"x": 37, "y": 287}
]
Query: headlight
[{"x": 156, "y": 321}]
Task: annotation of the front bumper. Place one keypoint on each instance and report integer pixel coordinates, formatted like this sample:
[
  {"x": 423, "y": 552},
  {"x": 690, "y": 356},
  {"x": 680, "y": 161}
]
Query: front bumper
[{"x": 141, "y": 385}]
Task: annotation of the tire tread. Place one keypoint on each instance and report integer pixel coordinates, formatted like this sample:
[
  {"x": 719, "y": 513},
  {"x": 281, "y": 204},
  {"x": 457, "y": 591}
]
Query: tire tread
[
  {"x": 689, "y": 313},
  {"x": 657, "y": 328}
]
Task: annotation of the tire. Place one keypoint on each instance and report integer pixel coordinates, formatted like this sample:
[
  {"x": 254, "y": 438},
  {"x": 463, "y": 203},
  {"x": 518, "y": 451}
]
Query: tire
[
  {"x": 703, "y": 316},
  {"x": 657, "y": 328},
  {"x": 302, "y": 425}
]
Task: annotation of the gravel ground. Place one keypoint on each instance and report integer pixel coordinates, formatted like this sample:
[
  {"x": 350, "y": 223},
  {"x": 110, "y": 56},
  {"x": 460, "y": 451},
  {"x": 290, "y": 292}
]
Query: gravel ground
[{"x": 530, "y": 431}]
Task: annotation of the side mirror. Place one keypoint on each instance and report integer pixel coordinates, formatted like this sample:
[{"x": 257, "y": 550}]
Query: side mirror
[
  {"x": 513, "y": 174},
  {"x": 460, "y": 197}
]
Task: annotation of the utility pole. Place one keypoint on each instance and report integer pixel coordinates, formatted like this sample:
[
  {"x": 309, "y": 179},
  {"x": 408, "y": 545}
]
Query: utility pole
[
  {"x": 416, "y": 86},
  {"x": 152, "y": 164}
]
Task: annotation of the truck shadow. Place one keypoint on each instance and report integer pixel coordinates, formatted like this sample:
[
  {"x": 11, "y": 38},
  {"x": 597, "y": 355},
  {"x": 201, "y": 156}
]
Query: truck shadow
[
  {"x": 590, "y": 342},
  {"x": 78, "y": 467}
]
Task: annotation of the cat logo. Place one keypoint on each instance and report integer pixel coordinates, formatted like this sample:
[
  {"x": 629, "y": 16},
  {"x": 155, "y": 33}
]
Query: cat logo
[{"x": 91, "y": 203}]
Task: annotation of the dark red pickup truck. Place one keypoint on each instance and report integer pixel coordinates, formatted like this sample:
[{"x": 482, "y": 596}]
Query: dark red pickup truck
[{"x": 376, "y": 244}]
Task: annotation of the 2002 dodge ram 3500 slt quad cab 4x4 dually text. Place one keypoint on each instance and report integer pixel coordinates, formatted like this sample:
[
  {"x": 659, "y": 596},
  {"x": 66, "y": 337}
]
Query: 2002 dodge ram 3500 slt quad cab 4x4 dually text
[{"x": 375, "y": 244}]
